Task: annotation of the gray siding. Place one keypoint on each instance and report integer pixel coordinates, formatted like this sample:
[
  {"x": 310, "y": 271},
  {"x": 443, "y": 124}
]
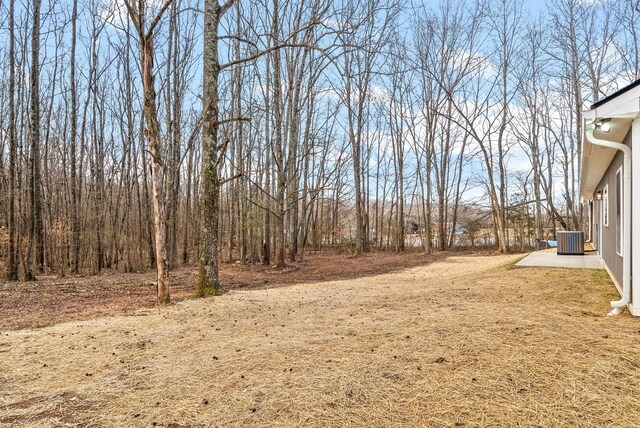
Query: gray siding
[{"x": 608, "y": 238}]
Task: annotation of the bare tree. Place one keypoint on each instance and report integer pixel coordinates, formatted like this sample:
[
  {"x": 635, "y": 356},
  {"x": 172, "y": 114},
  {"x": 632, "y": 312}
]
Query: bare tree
[
  {"x": 137, "y": 13},
  {"x": 73, "y": 180},
  {"x": 36, "y": 235},
  {"x": 320, "y": 124},
  {"x": 212, "y": 152},
  {"x": 12, "y": 259},
  {"x": 364, "y": 37}
]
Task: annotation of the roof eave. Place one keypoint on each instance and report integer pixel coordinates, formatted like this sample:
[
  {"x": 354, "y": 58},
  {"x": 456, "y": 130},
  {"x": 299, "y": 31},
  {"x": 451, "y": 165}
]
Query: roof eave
[{"x": 625, "y": 106}]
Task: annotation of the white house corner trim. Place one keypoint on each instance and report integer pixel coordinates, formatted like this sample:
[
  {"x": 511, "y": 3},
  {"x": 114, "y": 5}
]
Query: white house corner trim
[{"x": 635, "y": 212}]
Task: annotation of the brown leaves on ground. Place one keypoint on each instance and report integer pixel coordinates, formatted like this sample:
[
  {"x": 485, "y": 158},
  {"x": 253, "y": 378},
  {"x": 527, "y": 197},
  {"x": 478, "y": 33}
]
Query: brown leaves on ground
[{"x": 52, "y": 300}]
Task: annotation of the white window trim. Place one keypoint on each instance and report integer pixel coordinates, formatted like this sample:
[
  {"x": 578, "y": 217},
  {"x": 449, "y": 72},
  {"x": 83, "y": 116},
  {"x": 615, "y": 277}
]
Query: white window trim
[
  {"x": 620, "y": 182},
  {"x": 605, "y": 206}
]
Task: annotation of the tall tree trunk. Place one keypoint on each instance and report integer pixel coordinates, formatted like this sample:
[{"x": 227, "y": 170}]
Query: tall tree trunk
[
  {"x": 75, "y": 218},
  {"x": 37, "y": 226},
  {"x": 279, "y": 147},
  {"x": 208, "y": 280},
  {"x": 12, "y": 262},
  {"x": 152, "y": 132}
]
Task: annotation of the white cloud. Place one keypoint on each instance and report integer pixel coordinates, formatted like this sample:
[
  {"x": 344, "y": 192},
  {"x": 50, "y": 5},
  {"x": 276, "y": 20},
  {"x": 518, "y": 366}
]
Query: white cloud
[{"x": 114, "y": 12}]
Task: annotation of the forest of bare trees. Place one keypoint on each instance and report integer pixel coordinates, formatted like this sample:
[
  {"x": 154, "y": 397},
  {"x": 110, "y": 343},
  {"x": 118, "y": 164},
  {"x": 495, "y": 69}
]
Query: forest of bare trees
[{"x": 150, "y": 134}]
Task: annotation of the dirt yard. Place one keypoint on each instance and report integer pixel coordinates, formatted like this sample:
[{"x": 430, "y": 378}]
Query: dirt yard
[
  {"x": 52, "y": 300},
  {"x": 465, "y": 341}
]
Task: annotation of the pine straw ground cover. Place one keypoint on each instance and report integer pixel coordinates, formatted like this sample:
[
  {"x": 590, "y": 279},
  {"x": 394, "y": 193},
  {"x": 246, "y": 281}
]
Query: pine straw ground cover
[
  {"x": 53, "y": 299},
  {"x": 467, "y": 341}
]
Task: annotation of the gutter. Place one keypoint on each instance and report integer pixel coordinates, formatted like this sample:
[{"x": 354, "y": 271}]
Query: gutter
[{"x": 619, "y": 305}]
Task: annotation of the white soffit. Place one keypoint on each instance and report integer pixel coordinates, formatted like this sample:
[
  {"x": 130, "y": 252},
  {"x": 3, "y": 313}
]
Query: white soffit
[{"x": 596, "y": 160}]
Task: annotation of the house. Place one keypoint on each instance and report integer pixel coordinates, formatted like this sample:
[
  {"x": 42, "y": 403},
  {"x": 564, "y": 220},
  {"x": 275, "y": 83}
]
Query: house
[{"x": 610, "y": 189}]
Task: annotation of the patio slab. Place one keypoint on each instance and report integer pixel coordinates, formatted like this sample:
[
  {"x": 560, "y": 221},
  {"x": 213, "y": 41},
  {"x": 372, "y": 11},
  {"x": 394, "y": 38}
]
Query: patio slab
[{"x": 551, "y": 259}]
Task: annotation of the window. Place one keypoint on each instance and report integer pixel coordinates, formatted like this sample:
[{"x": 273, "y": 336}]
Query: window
[
  {"x": 619, "y": 211},
  {"x": 605, "y": 206}
]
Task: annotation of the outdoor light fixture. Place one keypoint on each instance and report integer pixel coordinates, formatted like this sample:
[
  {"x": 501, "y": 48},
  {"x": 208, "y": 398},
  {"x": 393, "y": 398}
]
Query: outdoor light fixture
[
  {"x": 599, "y": 195},
  {"x": 604, "y": 125}
]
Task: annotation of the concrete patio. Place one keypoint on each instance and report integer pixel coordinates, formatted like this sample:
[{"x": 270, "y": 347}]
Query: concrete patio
[{"x": 553, "y": 260}]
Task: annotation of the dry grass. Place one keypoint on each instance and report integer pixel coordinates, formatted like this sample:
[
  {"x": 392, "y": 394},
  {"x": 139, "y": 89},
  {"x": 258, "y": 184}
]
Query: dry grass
[
  {"x": 54, "y": 300},
  {"x": 462, "y": 342}
]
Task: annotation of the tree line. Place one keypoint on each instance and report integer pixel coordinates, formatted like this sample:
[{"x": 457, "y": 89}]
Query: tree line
[{"x": 143, "y": 134}]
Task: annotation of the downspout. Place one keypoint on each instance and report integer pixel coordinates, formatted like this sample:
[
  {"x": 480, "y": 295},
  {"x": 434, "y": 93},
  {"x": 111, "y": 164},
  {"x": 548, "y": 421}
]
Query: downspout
[{"x": 619, "y": 305}]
